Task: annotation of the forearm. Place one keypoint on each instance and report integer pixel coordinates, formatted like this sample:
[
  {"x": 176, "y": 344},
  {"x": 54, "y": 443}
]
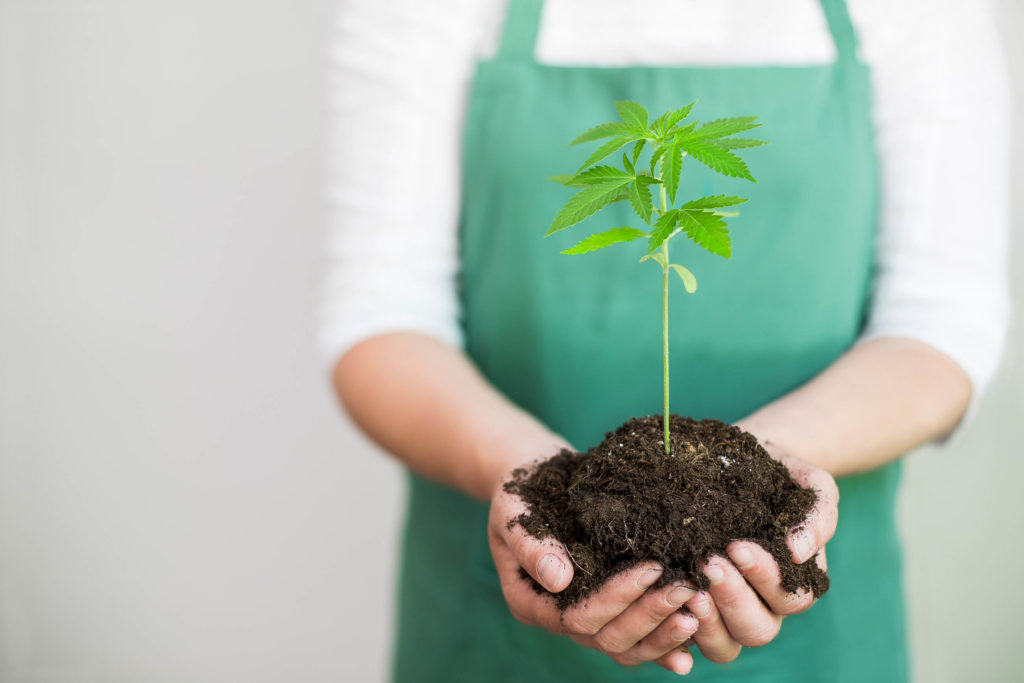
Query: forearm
[
  {"x": 426, "y": 403},
  {"x": 878, "y": 401}
]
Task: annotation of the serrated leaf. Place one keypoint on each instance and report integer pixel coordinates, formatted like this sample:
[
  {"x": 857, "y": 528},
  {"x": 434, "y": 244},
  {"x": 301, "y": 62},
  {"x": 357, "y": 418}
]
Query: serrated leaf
[
  {"x": 689, "y": 281},
  {"x": 606, "y": 239},
  {"x": 656, "y": 256},
  {"x": 633, "y": 114},
  {"x": 716, "y": 158},
  {"x": 567, "y": 180},
  {"x": 600, "y": 174},
  {"x": 674, "y": 117},
  {"x": 740, "y": 143},
  {"x": 663, "y": 229},
  {"x": 720, "y": 128},
  {"x": 605, "y": 130},
  {"x": 714, "y": 202},
  {"x": 606, "y": 149},
  {"x": 640, "y": 198},
  {"x": 706, "y": 229},
  {"x": 628, "y": 165},
  {"x": 587, "y": 202},
  {"x": 657, "y": 154},
  {"x": 671, "y": 166},
  {"x": 637, "y": 148}
]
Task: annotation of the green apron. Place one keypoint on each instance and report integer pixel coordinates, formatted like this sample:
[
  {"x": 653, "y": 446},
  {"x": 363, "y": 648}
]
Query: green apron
[{"x": 576, "y": 340}]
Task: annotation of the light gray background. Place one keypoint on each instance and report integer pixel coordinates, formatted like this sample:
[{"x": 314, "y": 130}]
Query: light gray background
[{"x": 173, "y": 500}]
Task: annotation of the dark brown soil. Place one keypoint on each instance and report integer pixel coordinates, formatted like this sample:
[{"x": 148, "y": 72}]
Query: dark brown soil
[{"x": 624, "y": 501}]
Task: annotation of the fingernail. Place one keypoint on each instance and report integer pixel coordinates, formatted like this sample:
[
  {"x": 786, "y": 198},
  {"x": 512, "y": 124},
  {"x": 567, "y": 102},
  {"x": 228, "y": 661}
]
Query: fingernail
[
  {"x": 701, "y": 606},
  {"x": 742, "y": 557},
  {"x": 647, "y": 579},
  {"x": 715, "y": 574},
  {"x": 803, "y": 545},
  {"x": 679, "y": 634},
  {"x": 679, "y": 595},
  {"x": 550, "y": 570}
]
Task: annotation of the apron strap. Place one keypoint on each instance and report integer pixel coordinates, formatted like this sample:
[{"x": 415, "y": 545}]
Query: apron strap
[
  {"x": 841, "y": 26},
  {"x": 522, "y": 22},
  {"x": 519, "y": 38}
]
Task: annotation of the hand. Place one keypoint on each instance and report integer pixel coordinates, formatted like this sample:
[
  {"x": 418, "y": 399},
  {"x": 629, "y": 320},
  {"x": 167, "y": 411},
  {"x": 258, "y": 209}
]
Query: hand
[
  {"x": 730, "y": 614},
  {"x": 623, "y": 619}
]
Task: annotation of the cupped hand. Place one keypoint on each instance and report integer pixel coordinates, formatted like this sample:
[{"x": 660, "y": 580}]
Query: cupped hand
[
  {"x": 731, "y": 614},
  {"x": 625, "y": 618}
]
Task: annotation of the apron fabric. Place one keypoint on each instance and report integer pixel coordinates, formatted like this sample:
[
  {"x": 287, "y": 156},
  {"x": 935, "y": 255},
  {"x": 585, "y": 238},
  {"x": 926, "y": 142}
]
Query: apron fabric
[{"x": 576, "y": 340}]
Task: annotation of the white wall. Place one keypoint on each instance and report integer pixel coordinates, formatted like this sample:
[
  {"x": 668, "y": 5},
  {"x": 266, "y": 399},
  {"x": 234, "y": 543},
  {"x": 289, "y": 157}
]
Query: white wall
[{"x": 174, "y": 499}]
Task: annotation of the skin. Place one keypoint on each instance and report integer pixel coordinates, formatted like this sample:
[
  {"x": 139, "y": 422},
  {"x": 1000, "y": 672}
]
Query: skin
[{"x": 426, "y": 403}]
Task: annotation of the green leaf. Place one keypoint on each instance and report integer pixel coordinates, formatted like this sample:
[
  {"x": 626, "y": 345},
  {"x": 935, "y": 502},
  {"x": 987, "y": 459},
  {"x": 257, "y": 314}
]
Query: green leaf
[
  {"x": 600, "y": 174},
  {"x": 663, "y": 229},
  {"x": 606, "y": 239},
  {"x": 569, "y": 180},
  {"x": 721, "y": 128},
  {"x": 633, "y": 114},
  {"x": 607, "y": 148},
  {"x": 637, "y": 148},
  {"x": 674, "y": 117},
  {"x": 671, "y": 166},
  {"x": 689, "y": 281},
  {"x": 656, "y": 256},
  {"x": 706, "y": 229},
  {"x": 640, "y": 198},
  {"x": 716, "y": 158},
  {"x": 605, "y": 130},
  {"x": 628, "y": 165},
  {"x": 740, "y": 143},
  {"x": 587, "y": 202},
  {"x": 715, "y": 202},
  {"x": 657, "y": 154}
]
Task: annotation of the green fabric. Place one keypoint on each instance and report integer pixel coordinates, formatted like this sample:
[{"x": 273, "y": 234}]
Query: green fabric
[{"x": 576, "y": 340}]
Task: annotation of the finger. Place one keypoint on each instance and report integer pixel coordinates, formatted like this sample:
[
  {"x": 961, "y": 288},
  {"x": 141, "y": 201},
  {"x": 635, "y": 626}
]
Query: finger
[
  {"x": 712, "y": 637},
  {"x": 642, "y": 617},
  {"x": 611, "y": 599},
  {"x": 749, "y": 622},
  {"x": 545, "y": 560},
  {"x": 678, "y": 661},
  {"x": 524, "y": 602},
  {"x": 762, "y": 573},
  {"x": 672, "y": 633},
  {"x": 807, "y": 538}
]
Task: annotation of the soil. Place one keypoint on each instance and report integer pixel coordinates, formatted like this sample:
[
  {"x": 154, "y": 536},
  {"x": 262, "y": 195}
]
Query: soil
[{"x": 624, "y": 501}]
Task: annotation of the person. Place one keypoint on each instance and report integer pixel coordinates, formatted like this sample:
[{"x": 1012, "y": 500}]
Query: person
[{"x": 861, "y": 314}]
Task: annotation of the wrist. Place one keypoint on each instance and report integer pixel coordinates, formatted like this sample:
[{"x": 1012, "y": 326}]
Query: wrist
[{"x": 503, "y": 452}]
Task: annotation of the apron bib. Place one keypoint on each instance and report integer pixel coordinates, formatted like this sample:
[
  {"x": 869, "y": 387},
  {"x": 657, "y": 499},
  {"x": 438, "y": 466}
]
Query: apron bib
[{"x": 577, "y": 340}]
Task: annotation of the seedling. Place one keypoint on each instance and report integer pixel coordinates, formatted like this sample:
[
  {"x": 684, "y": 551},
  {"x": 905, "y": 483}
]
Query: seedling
[{"x": 668, "y": 139}]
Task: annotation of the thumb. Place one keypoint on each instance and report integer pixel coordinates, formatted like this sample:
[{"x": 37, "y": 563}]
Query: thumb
[{"x": 546, "y": 560}]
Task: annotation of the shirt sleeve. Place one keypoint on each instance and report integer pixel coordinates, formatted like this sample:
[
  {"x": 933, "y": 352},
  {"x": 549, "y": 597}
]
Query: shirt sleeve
[
  {"x": 942, "y": 120},
  {"x": 399, "y": 72}
]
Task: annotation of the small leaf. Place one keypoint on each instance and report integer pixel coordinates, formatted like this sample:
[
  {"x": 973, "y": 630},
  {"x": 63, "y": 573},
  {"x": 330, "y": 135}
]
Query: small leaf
[
  {"x": 605, "y": 130},
  {"x": 689, "y": 281},
  {"x": 663, "y": 229},
  {"x": 721, "y": 128},
  {"x": 600, "y": 174},
  {"x": 637, "y": 148},
  {"x": 715, "y": 202},
  {"x": 671, "y": 166},
  {"x": 706, "y": 229},
  {"x": 674, "y": 117},
  {"x": 628, "y": 165},
  {"x": 657, "y": 154},
  {"x": 606, "y": 239},
  {"x": 740, "y": 143},
  {"x": 716, "y": 158},
  {"x": 640, "y": 198},
  {"x": 569, "y": 180},
  {"x": 587, "y": 202},
  {"x": 656, "y": 256},
  {"x": 633, "y": 114},
  {"x": 607, "y": 148}
]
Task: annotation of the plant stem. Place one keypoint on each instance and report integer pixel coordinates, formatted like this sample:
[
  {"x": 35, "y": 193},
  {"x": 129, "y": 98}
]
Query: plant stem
[{"x": 664, "y": 318}]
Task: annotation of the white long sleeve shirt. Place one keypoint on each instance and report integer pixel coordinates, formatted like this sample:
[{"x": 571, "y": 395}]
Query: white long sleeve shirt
[{"x": 400, "y": 76}]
